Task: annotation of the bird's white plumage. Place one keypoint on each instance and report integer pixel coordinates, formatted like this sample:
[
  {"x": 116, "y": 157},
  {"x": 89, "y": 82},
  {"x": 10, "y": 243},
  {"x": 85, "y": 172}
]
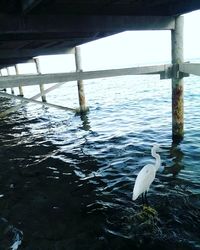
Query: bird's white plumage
[
  {"x": 146, "y": 175},
  {"x": 143, "y": 180}
]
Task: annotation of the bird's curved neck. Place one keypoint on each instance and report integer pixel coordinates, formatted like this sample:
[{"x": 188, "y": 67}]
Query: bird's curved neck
[{"x": 157, "y": 157}]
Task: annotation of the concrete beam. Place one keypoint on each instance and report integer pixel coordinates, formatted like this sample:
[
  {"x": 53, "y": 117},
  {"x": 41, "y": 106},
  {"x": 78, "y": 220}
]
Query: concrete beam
[
  {"x": 24, "y": 53},
  {"x": 27, "y": 80},
  {"x": 54, "y": 24},
  {"x": 182, "y": 7},
  {"x": 8, "y": 62}
]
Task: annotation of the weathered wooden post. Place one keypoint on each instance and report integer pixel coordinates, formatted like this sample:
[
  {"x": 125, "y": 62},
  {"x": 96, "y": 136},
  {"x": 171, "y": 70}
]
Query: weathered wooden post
[
  {"x": 37, "y": 64},
  {"x": 3, "y": 88},
  {"x": 81, "y": 93},
  {"x": 20, "y": 87},
  {"x": 12, "y": 89},
  {"x": 177, "y": 81}
]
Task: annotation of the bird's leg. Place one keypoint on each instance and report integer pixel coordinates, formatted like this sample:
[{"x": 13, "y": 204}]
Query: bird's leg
[
  {"x": 148, "y": 209},
  {"x": 143, "y": 201},
  {"x": 145, "y": 198}
]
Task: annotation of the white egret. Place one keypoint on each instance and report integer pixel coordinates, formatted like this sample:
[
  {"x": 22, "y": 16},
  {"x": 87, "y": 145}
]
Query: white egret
[{"x": 146, "y": 175}]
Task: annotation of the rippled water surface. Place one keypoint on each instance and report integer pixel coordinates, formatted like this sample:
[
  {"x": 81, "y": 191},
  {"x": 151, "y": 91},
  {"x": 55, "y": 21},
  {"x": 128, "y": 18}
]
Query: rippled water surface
[{"x": 66, "y": 180}]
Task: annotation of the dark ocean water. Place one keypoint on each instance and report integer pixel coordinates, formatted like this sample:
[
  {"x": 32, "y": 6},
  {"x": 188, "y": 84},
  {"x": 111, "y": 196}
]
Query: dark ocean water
[{"x": 66, "y": 181}]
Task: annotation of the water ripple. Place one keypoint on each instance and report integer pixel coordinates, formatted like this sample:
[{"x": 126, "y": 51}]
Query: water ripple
[{"x": 71, "y": 177}]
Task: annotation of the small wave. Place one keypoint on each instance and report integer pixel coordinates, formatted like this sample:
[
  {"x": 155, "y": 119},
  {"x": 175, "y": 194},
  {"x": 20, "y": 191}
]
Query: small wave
[{"x": 11, "y": 237}]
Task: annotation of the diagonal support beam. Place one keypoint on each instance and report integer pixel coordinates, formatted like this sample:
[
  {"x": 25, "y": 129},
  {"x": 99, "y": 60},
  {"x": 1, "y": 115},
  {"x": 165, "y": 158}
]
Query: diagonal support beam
[
  {"x": 15, "y": 108},
  {"x": 27, "y": 100}
]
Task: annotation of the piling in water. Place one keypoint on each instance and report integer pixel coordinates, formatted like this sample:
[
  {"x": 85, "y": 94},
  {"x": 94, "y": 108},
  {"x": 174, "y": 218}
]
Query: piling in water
[
  {"x": 12, "y": 89},
  {"x": 43, "y": 96},
  {"x": 20, "y": 87},
  {"x": 81, "y": 93},
  {"x": 177, "y": 81}
]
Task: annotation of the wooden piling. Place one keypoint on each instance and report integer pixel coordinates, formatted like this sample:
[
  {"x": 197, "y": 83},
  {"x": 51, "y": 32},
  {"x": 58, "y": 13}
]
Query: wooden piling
[
  {"x": 12, "y": 89},
  {"x": 3, "y": 88},
  {"x": 37, "y": 64},
  {"x": 81, "y": 93},
  {"x": 177, "y": 81},
  {"x": 20, "y": 87}
]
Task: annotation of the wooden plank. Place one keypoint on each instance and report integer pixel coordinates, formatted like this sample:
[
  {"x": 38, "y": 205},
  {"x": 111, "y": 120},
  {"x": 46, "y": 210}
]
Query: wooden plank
[
  {"x": 190, "y": 68},
  {"x": 27, "y": 80},
  {"x": 73, "y": 24}
]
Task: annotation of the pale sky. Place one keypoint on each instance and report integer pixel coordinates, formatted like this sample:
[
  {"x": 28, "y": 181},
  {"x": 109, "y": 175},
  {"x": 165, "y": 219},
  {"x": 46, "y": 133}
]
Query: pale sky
[
  {"x": 139, "y": 47},
  {"x": 192, "y": 35},
  {"x": 127, "y": 49}
]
